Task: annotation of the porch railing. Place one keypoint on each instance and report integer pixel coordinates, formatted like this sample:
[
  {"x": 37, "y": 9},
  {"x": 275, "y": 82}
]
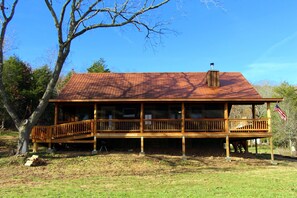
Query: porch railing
[
  {"x": 162, "y": 125},
  {"x": 204, "y": 125},
  {"x": 62, "y": 130},
  {"x": 44, "y": 133},
  {"x": 248, "y": 125},
  {"x": 121, "y": 125},
  {"x": 73, "y": 128}
]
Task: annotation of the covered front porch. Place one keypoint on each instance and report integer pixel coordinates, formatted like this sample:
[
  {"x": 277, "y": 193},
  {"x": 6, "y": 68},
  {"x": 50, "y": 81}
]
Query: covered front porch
[{"x": 87, "y": 122}]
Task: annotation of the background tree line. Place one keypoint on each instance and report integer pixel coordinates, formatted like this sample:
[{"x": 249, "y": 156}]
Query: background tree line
[
  {"x": 25, "y": 86},
  {"x": 285, "y": 132}
]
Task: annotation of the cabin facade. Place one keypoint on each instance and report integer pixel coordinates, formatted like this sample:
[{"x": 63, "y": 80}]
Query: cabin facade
[{"x": 181, "y": 105}]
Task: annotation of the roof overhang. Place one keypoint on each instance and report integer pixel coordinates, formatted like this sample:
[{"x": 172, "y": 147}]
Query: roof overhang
[{"x": 231, "y": 100}]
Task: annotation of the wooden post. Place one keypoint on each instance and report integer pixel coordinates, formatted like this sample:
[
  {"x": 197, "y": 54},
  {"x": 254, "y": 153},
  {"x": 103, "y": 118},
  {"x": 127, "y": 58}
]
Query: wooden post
[
  {"x": 269, "y": 130},
  {"x": 256, "y": 146},
  {"x": 141, "y": 117},
  {"x": 56, "y": 114},
  {"x": 226, "y": 117},
  {"x": 184, "y": 147},
  {"x": 183, "y": 131},
  {"x": 141, "y": 146},
  {"x": 269, "y": 117},
  {"x": 55, "y": 128},
  {"x": 141, "y": 129},
  {"x": 49, "y": 150},
  {"x": 271, "y": 149},
  {"x": 254, "y": 117},
  {"x": 35, "y": 147},
  {"x": 95, "y": 120},
  {"x": 227, "y": 144},
  {"x": 254, "y": 111},
  {"x": 183, "y": 119},
  {"x": 95, "y": 130}
]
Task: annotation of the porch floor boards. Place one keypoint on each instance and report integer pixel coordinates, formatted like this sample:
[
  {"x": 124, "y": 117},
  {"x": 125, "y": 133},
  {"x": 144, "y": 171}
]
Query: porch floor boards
[{"x": 86, "y": 138}]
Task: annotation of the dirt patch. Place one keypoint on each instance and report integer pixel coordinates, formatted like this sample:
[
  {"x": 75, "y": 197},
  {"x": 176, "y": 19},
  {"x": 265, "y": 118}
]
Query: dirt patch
[{"x": 7, "y": 145}]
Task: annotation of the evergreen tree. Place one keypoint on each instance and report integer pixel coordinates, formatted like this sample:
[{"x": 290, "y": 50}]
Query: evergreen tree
[{"x": 98, "y": 67}]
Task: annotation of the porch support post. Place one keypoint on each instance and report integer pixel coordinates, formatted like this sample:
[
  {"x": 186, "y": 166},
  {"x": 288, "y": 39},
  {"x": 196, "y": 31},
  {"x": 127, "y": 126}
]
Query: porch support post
[
  {"x": 254, "y": 117},
  {"x": 184, "y": 147},
  {"x": 183, "y": 131},
  {"x": 95, "y": 130},
  {"x": 183, "y": 118},
  {"x": 271, "y": 149},
  {"x": 141, "y": 129},
  {"x": 35, "y": 147},
  {"x": 141, "y": 146},
  {"x": 256, "y": 146},
  {"x": 56, "y": 114},
  {"x": 227, "y": 145},
  {"x": 49, "y": 150},
  {"x": 226, "y": 117},
  {"x": 269, "y": 130}
]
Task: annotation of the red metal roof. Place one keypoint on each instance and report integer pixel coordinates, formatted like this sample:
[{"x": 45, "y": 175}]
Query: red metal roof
[{"x": 179, "y": 85}]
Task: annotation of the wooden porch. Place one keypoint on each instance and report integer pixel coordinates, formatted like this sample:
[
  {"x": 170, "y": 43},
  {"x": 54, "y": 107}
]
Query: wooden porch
[
  {"x": 82, "y": 131},
  {"x": 183, "y": 127}
]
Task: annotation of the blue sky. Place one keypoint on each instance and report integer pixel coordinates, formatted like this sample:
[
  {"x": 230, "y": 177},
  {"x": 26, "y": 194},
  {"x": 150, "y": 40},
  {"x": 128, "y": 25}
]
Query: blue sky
[{"x": 257, "y": 38}]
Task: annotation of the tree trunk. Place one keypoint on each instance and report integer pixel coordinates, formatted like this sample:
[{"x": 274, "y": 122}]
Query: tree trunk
[
  {"x": 24, "y": 138},
  {"x": 2, "y": 123}
]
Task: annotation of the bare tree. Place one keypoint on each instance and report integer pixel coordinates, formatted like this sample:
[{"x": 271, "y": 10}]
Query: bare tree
[
  {"x": 6, "y": 16},
  {"x": 73, "y": 18}
]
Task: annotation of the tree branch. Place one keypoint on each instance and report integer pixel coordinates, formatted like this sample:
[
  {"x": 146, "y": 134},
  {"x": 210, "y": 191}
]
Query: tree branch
[
  {"x": 114, "y": 14},
  {"x": 11, "y": 111}
]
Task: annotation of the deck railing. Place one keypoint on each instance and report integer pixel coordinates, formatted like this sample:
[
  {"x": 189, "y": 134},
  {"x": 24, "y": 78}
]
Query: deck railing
[
  {"x": 204, "y": 125},
  {"x": 73, "y": 128},
  {"x": 162, "y": 125},
  {"x": 248, "y": 125},
  {"x": 120, "y": 125},
  {"x": 44, "y": 133}
]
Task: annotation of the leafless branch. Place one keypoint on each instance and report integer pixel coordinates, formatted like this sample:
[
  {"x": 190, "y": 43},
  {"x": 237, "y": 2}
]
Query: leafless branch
[
  {"x": 6, "y": 19},
  {"x": 87, "y": 15}
]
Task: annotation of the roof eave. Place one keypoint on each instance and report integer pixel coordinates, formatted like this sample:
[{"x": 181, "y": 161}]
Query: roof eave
[{"x": 237, "y": 100}]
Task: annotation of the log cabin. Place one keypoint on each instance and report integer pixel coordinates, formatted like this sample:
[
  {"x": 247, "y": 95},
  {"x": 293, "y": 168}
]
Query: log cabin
[{"x": 183, "y": 105}]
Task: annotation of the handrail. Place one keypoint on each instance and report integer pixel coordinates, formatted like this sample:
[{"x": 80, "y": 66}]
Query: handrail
[
  {"x": 118, "y": 125},
  {"x": 162, "y": 125},
  {"x": 205, "y": 125},
  {"x": 74, "y": 128},
  {"x": 248, "y": 125},
  {"x": 45, "y": 133}
]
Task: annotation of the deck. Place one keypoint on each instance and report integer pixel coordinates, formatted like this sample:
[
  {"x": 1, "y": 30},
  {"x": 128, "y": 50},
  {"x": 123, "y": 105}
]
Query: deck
[{"x": 85, "y": 131}]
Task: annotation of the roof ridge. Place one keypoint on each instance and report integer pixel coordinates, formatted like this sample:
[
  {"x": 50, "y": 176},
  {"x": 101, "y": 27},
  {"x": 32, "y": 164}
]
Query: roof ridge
[{"x": 190, "y": 72}]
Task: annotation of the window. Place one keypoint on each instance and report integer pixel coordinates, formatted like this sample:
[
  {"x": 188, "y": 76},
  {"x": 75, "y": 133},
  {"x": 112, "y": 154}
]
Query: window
[
  {"x": 129, "y": 112},
  {"x": 148, "y": 117}
]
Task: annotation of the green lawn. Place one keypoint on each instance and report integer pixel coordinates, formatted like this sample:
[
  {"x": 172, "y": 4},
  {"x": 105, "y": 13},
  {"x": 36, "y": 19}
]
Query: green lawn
[{"x": 130, "y": 175}]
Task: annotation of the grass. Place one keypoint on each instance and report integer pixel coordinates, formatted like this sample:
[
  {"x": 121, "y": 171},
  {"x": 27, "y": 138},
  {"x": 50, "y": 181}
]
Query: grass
[{"x": 77, "y": 174}]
